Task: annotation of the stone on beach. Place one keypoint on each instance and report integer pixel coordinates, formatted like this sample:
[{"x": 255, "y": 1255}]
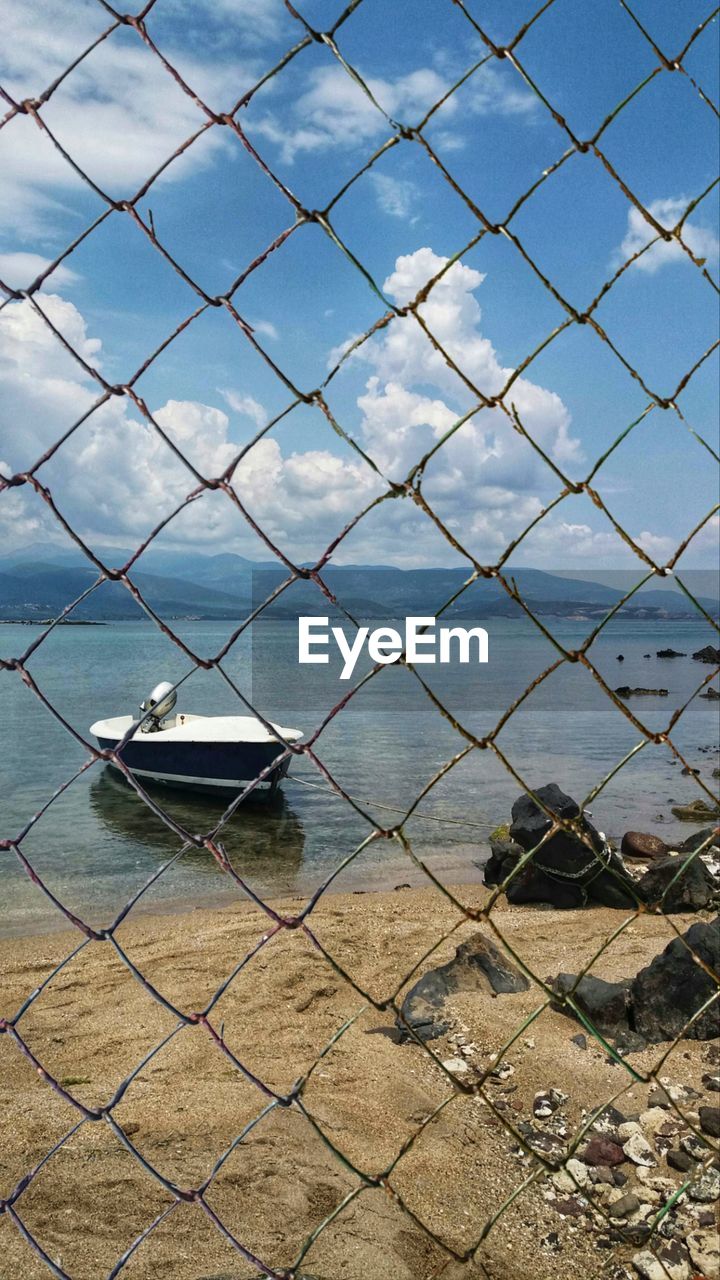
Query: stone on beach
[
  {"x": 708, "y": 654},
  {"x": 658, "y": 1003},
  {"x": 676, "y": 885},
  {"x": 638, "y": 844},
  {"x": 478, "y": 965},
  {"x": 566, "y": 871}
]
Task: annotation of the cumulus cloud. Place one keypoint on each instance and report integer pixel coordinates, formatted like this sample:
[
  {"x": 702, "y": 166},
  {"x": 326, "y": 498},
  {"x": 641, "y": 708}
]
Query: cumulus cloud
[
  {"x": 397, "y": 196},
  {"x": 115, "y": 477},
  {"x": 335, "y": 112},
  {"x": 701, "y": 240},
  {"x": 118, "y": 114},
  {"x": 18, "y": 270}
]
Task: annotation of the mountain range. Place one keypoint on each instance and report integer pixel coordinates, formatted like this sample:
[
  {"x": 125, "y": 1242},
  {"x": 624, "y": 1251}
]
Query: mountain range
[{"x": 37, "y": 582}]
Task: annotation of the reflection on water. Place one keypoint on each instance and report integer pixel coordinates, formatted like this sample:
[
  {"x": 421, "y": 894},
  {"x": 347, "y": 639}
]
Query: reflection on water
[{"x": 262, "y": 834}]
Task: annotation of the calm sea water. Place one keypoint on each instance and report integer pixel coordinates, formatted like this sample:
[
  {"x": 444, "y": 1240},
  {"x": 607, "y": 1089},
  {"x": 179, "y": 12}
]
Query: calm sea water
[{"x": 98, "y": 843}]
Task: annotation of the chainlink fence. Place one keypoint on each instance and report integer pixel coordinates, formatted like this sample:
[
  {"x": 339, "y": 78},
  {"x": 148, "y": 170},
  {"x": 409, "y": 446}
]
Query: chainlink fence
[{"x": 669, "y": 63}]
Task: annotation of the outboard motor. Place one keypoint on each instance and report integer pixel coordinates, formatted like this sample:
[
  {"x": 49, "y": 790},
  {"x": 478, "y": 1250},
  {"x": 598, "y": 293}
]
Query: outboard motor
[{"x": 159, "y": 704}]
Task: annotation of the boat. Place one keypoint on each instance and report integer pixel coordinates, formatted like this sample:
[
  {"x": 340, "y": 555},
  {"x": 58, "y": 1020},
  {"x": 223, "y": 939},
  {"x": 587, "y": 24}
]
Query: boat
[{"x": 215, "y": 754}]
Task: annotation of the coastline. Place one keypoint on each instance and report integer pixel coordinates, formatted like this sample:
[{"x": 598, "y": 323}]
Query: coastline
[{"x": 93, "y": 1023}]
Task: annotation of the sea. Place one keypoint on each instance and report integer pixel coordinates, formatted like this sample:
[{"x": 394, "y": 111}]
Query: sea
[{"x": 395, "y": 740}]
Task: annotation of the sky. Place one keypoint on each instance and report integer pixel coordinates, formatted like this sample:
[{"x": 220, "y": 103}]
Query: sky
[{"x": 119, "y": 115}]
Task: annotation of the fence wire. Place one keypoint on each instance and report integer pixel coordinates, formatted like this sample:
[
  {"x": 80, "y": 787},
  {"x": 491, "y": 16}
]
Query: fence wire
[{"x": 201, "y": 1022}]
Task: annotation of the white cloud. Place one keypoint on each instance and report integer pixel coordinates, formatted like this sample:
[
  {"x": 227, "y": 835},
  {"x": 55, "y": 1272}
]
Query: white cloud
[
  {"x": 701, "y": 240},
  {"x": 18, "y": 270},
  {"x": 396, "y": 196},
  {"x": 491, "y": 91},
  {"x": 115, "y": 478},
  {"x": 119, "y": 114},
  {"x": 245, "y": 405},
  {"x": 266, "y": 328}
]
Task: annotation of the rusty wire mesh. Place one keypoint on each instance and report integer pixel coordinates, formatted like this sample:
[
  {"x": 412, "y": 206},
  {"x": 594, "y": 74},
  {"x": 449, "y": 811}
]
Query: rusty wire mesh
[{"x": 199, "y": 1022}]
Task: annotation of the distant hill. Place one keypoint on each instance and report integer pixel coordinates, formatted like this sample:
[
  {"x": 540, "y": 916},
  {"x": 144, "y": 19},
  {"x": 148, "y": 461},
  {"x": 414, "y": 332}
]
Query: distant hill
[{"x": 39, "y": 582}]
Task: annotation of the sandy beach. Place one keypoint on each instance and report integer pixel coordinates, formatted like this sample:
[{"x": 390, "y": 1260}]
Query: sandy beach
[{"x": 94, "y": 1022}]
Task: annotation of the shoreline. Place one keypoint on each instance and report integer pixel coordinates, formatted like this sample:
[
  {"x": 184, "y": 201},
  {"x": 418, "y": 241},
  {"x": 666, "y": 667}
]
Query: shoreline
[{"x": 288, "y": 1012}]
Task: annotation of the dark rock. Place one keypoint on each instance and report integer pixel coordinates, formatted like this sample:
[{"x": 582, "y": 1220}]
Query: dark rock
[
  {"x": 623, "y": 1207},
  {"x": 708, "y": 654},
  {"x": 687, "y": 772},
  {"x": 710, "y": 1120},
  {"x": 619, "y": 1178},
  {"x": 696, "y": 811},
  {"x": 636, "y": 844},
  {"x": 580, "y": 1040},
  {"x": 673, "y": 987},
  {"x": 478, "y": 965},
  {"x": 679, "y": 1160},
  {"x": 570, "y": 1208},
  {"x": 604, "y": 1004},
  {"x": 504, "y": 857},
  {"x": 565, "y": 871},
  {"x": 621, "y": 657},
  {"x": 629, "y": 1042},
  {"x": 601, "y": 1150},
  {"x": 712, "y": 1083},
  {"x": 657, "y": 1004},
  {"x": 670, "y": 653},
  {"x": 674, "y": 885},
  {"x": 626, "y": 691},
  {"x": 712, "y": 694},
  {"x": 709, "y": 836}
]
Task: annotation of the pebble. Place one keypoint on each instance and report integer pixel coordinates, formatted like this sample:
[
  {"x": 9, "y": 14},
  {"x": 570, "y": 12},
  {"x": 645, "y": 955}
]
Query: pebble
[
  {"x": 694, "y": 1146},
  {"x": 580, "y": 1040},
  {"x": 602, "y": 1151},
  {"x": 624, "y": 1207},
  {"x": 638, "y": 1149},
  {"x": 709, "y": 1118},
  {"x": 712, "y": 1083},
  {"x": 655, "y": 1120},
  {"x": 679, "y": 1160},
  {"x": 651, "y": 1267},
  {"x": 627, "y": 1129},
  {"x": 705, "y": 1252},
  {"x": 706, "y": 1187},
  {"x": 455, "y": 1065}
]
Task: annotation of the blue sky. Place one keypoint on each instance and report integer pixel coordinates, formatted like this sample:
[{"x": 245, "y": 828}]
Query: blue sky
[{"x": 119, "y": 114}]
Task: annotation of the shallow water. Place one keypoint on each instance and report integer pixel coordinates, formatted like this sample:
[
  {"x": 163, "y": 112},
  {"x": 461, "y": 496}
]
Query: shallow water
[{"x": 98, "y": 843}]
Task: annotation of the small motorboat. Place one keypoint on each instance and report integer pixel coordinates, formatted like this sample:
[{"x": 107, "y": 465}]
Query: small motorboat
[{"x": 216, "y": 754}]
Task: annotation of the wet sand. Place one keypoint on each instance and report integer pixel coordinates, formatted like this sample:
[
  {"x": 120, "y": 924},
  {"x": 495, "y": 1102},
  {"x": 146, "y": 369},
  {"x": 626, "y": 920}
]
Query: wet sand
[{"x": 367, "y": 1095}]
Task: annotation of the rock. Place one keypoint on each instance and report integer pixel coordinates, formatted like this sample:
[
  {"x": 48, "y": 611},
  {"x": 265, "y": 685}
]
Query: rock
[
  {"x": 710, "y": 1120},
  {"x": 605, "y": 1004},
  {"x": 670, "y": 653},
  {"x": 478, "y": 965},
  {"x": 455, "y": 1065},
  {"x": 712, "y": 695},
  {"x": 543, "y": 1106},
  {"x": 705, "y": 1188},
  {"x": 696, "y": 811},
  {"x": 621, "y": 657},
  {"x": 636, "y": 844},
  {"x": 654, "y": 1120},
  {"x": 708, "y": 654},
  {"x": 602, "y": 1151},
  {"x": 580, "y": 1040},
  {"x": 665, "y": 995},
  {"x": 624, "y": 1206},
  {"x": 658, "y": 1003},
  {"x": 565, "y": 872},
  {"x": 694, "y": 1147},
  {"x": 704, "y": 1249},
  {"x": 709, "y": 837},
  {"x": 638, "y": 1149},
  {"x": 679, "y": 1160},
  {"x": 675, "y": 886},
  {"x": 655, "y": 1266},
  {"x": 625, "y": 691},
  {"x": 712, "y": 1083}
]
